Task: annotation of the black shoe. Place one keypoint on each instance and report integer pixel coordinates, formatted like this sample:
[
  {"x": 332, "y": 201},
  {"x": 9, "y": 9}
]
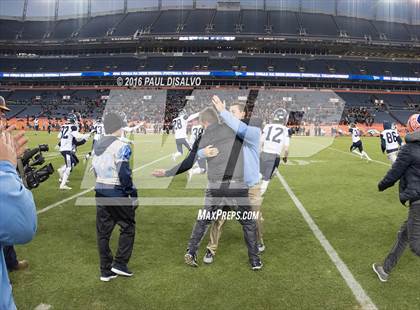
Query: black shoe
[
  {"x": 191, "y": 259},
  {"x": 256, "y": 265},
  {"x": 107, "y": 276},
  {"x": 208, "y": 257},
  {"x": 121, "y": 270}
]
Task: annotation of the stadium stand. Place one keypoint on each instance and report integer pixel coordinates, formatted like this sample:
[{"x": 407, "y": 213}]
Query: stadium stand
[{"x": 202, "y": 21}]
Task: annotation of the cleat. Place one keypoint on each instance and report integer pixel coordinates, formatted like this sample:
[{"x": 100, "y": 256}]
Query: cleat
[
  {"x": 261, "y": 247},
  {"x": 208, "y": 257},
  {"x": 122, "y": 271},
  {"x": 380, "y": 272},
  {"x": 107, "y": 276},
  {"x": 65, "y": 187}
]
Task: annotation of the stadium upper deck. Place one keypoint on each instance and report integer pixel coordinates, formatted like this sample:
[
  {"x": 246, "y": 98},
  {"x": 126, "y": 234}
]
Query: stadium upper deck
[{"x": 201, "y": 22}]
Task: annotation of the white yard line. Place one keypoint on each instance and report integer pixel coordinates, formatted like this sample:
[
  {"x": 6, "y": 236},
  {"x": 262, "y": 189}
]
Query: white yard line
[
  {"x": 352, "y": 154},
  {"x": 54, "y": 205},
  {"x": 357, "y": 290}
]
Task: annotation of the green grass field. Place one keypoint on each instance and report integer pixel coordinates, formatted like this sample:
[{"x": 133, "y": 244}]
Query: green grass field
[{"x": 337, "y": 189}]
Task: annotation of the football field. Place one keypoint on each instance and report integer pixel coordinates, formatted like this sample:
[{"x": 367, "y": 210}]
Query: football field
[{"x": 325, "y": 224}]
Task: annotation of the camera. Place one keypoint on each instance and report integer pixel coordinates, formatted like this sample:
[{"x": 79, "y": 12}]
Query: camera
[{"x": 27, "y": 163}]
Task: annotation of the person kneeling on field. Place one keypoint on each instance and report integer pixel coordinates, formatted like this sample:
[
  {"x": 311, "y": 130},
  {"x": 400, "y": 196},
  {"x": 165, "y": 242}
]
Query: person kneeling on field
[
  {"x": 406, "y": 169},
  {"x": 116, "y": 198}
]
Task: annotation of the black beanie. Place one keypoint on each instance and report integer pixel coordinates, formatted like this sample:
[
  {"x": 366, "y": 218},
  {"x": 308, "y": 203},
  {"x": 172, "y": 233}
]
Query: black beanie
[{"x": 112, "y": 123}]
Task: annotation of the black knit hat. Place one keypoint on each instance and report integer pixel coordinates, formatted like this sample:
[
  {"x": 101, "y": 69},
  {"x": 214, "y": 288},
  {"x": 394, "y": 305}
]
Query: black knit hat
[{"x": 112, "y": 122}]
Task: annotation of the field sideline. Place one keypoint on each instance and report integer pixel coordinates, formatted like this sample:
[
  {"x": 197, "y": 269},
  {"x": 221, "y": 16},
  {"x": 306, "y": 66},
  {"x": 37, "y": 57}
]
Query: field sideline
[{"x": 338, "y": 190}]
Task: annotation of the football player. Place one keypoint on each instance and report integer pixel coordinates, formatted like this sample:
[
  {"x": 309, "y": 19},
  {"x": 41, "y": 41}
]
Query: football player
[
  {"x": 70, "y": 138},
  {"x": 36, "y": 125},
  {"x": 275, "y": 140},
  {"x": 179, "y": 125},
  {"x": 390, "y": 141},
  {"x": 98, "y": 131},
  {"x": 200, "y": 165},
  {"x": 357, "y": 142}
]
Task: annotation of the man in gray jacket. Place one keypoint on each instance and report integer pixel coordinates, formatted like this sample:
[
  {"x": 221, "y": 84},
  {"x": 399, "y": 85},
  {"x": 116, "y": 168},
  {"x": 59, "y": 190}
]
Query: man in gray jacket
[{"x": 406, "y": 169}]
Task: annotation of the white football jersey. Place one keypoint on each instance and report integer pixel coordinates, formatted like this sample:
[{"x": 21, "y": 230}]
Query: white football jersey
[
  {"x": 179, "y": 124},
  {"x": 355, "y": 134},
  {"x": 390, "y": 136},
  {"x": 180, "y": 127},
  {"x": 68, "y": 135},
  {"x": 274, "y": 138},
  {"x": 98, "y": 129},
  {"x": 195, "y": 132},
  {"x": 36, "y": 122}
]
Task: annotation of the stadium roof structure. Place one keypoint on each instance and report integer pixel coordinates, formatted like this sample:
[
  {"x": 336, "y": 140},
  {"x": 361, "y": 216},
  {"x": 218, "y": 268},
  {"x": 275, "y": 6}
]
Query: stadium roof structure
[{"x": 402, "y": 11}]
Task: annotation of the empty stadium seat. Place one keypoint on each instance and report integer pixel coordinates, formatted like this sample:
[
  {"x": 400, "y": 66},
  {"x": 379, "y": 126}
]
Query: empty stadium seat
[
  {"x": 393, "y": 31},
  {"x": 170, "y": 21},
  {"x": 10, "y": 29},
  {"x": 284, "y": 22},
  {"x": 318, "y": 24},
  {"x": 356, "y": 27},
  {"x": 100, "y": 25},
  {"x": 141, "y": 21},
  {"x": 254, "y": 21},
  {"x": 197, "y": 21},
  {"x": 65, "y": 28},
  {"x": 225, "y": 22}
]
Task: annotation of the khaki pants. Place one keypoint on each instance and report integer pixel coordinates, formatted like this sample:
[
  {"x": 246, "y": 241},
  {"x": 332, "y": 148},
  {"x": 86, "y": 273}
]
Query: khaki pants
[{"x": 255, "y": 200}]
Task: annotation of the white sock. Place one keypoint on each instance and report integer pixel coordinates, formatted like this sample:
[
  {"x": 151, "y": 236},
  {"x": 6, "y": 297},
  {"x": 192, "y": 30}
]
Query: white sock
[
  {"x": 66, "y": 175},
  {"x": 264, "y": 186},
  {"x": 365, "y": 155},
  {"x": 61, "y": 171},
  {"x": 357, "y": 153}
]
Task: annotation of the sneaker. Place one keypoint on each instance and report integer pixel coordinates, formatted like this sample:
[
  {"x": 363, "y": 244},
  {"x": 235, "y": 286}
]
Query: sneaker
[
  {"x": 261, "y": 247},
  {"x": 65, "y": 187},
  {"x": 22, "y": 265},
  {"x": 121, "y": 271},
  {"x": 380, "y": 272},
  {"x": 191, "y": 259},
  {"x": 107, "y": 276},
  {"x": 208, "y": 257},
  {"x": 256, "y": 265}
]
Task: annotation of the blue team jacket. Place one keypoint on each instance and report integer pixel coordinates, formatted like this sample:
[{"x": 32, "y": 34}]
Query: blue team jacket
[{"x": 18, "y": 223}]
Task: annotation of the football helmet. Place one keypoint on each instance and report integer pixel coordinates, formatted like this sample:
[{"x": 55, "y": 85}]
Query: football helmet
[{"x": 280, "y": 116}]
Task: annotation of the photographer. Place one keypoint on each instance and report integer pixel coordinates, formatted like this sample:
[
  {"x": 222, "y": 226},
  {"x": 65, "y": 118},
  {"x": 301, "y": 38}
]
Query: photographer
[{"x": 17, "y": 211}]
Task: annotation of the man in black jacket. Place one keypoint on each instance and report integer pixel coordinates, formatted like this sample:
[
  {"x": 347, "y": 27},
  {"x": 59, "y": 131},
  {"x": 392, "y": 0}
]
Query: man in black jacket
[
  {"x": 406, "y": 169},
  {"x": 225, "y": 187}
]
